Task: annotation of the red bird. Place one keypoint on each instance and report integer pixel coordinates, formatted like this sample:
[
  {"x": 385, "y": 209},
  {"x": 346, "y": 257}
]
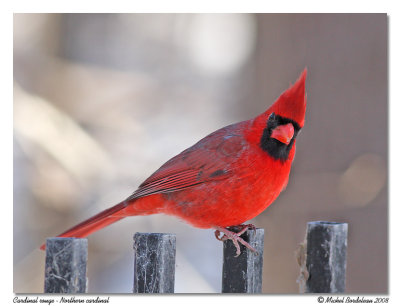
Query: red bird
[{"x": 225, "y": 179}]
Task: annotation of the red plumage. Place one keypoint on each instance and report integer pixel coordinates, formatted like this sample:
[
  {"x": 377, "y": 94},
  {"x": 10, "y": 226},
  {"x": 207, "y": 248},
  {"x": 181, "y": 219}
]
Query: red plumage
[{"x": 226, "y": 178}]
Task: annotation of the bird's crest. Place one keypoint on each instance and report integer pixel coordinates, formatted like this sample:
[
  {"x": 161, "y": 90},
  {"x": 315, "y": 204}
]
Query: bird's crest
[{"x": 292, "y": 102}]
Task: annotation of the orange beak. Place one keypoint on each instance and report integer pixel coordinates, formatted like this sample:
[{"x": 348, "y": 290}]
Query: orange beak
[{"x": 283, "y": 133}]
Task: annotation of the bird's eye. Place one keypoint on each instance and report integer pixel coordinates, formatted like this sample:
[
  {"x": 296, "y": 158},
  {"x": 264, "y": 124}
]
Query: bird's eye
[{"x": 271, "y": 117}]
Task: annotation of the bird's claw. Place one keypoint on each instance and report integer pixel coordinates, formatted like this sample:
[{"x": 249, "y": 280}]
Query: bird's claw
[
  {"x": 235, "y": 237},
  {"x": 217, "y": 233}
]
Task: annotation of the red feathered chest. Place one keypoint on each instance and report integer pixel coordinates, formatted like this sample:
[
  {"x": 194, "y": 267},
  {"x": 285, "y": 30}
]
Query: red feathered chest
[{"x": 228, "y": 179}]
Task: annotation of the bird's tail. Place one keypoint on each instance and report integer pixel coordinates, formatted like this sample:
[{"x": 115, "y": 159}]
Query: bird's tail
[{"x": 95, "y": 223}]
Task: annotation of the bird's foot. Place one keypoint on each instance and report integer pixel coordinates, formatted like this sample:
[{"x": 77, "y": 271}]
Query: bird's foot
[{"x": 233, "y": 233}]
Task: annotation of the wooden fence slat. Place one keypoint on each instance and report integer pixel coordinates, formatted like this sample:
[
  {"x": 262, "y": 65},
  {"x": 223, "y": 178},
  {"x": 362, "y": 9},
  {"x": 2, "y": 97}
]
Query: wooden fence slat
[
  {"x": 326, "y": 257},
  {"x": 65, "y": 267},
  {"x": 154, "y": 267},
  {"x": 243, "y": 274}
]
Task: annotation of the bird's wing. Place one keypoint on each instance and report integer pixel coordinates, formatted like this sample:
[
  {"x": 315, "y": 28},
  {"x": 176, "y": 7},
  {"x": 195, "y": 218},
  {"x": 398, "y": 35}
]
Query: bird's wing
[{"x": 212, "y": 158}]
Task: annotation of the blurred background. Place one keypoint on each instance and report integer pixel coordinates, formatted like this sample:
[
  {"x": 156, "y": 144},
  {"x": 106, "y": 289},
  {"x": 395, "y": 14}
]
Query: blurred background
[{"x": 102, "y": 100}]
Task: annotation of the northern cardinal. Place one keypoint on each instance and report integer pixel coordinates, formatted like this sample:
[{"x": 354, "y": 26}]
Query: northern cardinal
[{"x": 225, "y": 179}]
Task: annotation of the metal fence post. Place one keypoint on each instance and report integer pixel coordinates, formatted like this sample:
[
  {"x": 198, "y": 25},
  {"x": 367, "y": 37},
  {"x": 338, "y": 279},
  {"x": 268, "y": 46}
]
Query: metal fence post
[
  {"x": 65, "y": 267},
  {"x": 326, "y": 257},
  {"x": 154, "y": 267},
  {"x": 243, "y": 274}
]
